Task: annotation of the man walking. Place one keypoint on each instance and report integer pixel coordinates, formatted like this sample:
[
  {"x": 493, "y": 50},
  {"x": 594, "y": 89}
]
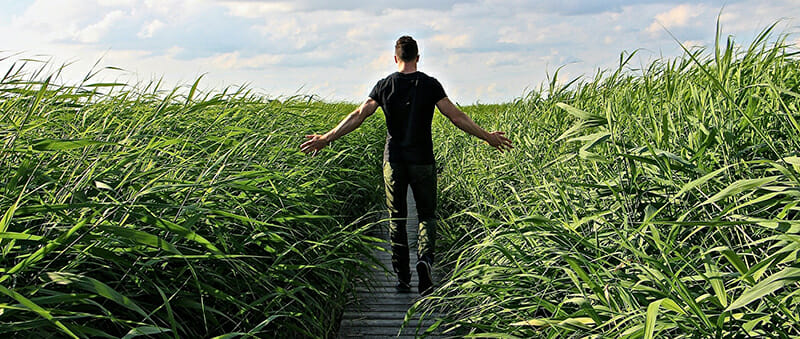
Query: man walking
[{"x": 407, "y": 98}]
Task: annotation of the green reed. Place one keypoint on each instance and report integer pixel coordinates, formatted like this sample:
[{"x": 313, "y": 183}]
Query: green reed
[
  {"x": 140, "y": 210},
  {"x": 659, "y": 201}
]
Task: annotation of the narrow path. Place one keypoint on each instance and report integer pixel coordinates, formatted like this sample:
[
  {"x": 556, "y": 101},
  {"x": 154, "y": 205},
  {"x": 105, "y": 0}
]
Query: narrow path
[{"x": 379, "y": 310}]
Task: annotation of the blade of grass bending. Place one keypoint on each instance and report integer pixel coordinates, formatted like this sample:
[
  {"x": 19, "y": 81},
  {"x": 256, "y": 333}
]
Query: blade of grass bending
[
  {"x": 180, "y": 230},
  {"x": 738, "y": 187},
  {"x": 34, "y": 106},
  {"x": 581, "y": 114},
  {"x": 140, "y": 237},
  {"x": 492, "y": 335},
  {"x": 192, "y": 90},
  {"x": 19, "y": 236},
  {"x": 36, "y": 308},
  {"x": 40, "y": 253},
  {"x": 735, "y": 260},
  {"x": 713, "y": 275},
  {"x": 145, "y": 330},
  {"x": 65, "y": 144},
  {"x": 96, "y": 286},
  {"x": 766, "y": 286},
  {"x": 6, "y": 220},
  {"x": 652, "y": 314},
  {"x": 576, "y": 267}
]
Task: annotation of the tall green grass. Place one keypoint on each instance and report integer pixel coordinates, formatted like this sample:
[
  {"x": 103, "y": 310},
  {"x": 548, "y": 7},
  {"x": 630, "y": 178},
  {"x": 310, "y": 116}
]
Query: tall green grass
[
  {"x": 652, "y": 202},
  {"x": 659, "y": 201},
  {"x": 142, "y": 210}
]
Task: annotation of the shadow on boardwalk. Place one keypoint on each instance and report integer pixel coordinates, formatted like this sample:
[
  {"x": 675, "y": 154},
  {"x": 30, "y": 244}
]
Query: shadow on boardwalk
[{"x": 379, "y": 311}]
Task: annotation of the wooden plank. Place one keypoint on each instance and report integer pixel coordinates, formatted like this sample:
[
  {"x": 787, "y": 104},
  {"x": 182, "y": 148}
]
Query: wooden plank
[
  {"x": 375, "y": 315},
  {"x": 392, "y": 323},
  {"x": 386, "y": 332},
  {"x": 380, "y": 310}
]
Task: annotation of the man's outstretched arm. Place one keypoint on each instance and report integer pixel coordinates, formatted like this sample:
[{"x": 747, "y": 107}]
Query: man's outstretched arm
[
  {"x": 465, "y": 123},
  {"x": 348, "y": 124}
]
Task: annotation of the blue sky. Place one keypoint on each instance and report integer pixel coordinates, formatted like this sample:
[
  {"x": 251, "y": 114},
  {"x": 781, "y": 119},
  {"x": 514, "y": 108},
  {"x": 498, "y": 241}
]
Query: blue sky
[{"x": 482, "y": 50}]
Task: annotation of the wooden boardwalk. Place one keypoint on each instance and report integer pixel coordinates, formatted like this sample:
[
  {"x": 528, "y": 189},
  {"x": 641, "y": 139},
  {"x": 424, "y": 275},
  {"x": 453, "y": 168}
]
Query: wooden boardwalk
[{"x": 379, "y": 310}]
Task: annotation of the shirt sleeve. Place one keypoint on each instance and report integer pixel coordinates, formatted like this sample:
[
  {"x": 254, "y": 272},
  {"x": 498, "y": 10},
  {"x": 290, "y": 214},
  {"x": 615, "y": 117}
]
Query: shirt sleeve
[
  {"x": 437, "y": 92},
  {"x": 375, "y": 94}
]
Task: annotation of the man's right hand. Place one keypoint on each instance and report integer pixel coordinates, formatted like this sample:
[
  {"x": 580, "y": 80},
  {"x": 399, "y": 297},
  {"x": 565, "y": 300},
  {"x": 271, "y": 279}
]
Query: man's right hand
[
  {"x": 498, "y": 140},
  {"x": 314, "y": 144}
]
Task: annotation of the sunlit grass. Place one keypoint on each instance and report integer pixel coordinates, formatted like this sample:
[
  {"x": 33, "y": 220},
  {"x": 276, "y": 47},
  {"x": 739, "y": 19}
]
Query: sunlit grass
[
  {"x": 651, "y": 202},
  {"x": 139, "y": 210},
  {"x": 645, "y": 202}
]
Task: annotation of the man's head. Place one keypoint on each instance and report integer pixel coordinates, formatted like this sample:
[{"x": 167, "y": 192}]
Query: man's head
[{"x": 406, "y": 49}]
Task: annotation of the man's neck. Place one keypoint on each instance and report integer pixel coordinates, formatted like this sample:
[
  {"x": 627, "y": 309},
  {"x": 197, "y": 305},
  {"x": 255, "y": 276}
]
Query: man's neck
[{"x": 406, "y": 67}]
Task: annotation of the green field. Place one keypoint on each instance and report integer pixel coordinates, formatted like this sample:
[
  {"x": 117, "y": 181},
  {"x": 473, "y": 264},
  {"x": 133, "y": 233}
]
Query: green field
[{"x": 654, "y": 201}]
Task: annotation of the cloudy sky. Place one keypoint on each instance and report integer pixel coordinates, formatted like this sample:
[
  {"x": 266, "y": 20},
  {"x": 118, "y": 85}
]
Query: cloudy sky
[{"x": 482, "y": 51}]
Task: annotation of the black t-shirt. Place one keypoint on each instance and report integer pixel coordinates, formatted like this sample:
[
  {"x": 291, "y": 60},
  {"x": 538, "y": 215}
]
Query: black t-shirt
[{"x": 408, "y": 101}]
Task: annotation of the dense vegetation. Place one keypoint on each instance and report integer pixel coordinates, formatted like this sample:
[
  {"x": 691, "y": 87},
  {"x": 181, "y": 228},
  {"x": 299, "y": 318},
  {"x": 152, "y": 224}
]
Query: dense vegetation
[
  {"x": 656, "y": 201},
  {"x": 146, "y": 211}
]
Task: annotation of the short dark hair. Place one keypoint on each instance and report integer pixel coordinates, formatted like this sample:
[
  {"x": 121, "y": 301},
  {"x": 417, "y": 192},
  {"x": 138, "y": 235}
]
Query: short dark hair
[{"x": 406, "y": 48}]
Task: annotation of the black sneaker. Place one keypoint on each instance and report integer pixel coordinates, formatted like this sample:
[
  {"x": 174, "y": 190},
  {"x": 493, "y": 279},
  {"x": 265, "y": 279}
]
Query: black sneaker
[
  {"x": 425, "y": 277},
  {"x": 403, "y": 287}
]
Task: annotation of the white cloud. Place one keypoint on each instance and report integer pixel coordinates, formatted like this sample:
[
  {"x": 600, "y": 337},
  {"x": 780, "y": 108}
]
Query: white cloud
[
  {"x": 174, "y": 51},
  {"x": 728, "y": 17},
  {"x": 150, "y": 28},
  {"x": 513, "y": 35},
  {"x": 176, "y": 8},
  {"x": 453, "y": 59},
  {"x": 282, "y": 46},
  {"x": 246, "y": 8},
  {"x": 693, "y": 43},
  {"x": 678, "y": 16},
  {"x": 382, "y": 62},
  {"x": 452, "y": 40},
  {"x": 494, "y": 59},
  {"x": 95, "y": 31},
  {"x": 488, "y": 90},
  {"x": 234, "y": 60},
  {"x": 249, "y": 9},
  {"x": 51, "y": 21},
  {"x": 116, "y": 3}
]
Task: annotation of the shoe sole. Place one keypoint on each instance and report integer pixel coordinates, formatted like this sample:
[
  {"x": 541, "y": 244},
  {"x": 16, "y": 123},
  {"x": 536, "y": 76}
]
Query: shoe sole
[{"x": 425, "y": 278}]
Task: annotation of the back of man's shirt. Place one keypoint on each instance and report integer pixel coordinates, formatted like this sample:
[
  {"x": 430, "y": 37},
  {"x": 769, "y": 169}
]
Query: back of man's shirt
[{"x": 408, "y": 101}]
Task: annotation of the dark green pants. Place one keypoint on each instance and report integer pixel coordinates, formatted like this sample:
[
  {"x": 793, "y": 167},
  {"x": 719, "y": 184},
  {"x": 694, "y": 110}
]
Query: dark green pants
[{"x": 397, "y": 178}]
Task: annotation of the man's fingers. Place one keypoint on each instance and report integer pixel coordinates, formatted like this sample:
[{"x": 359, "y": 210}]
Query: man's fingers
[
  {"x": 308, "y": 146},
  {"x": 506, "y": 141}
]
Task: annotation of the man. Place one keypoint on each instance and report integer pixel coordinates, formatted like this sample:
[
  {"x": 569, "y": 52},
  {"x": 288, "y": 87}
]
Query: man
[{"x": 407, "y": 98}]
